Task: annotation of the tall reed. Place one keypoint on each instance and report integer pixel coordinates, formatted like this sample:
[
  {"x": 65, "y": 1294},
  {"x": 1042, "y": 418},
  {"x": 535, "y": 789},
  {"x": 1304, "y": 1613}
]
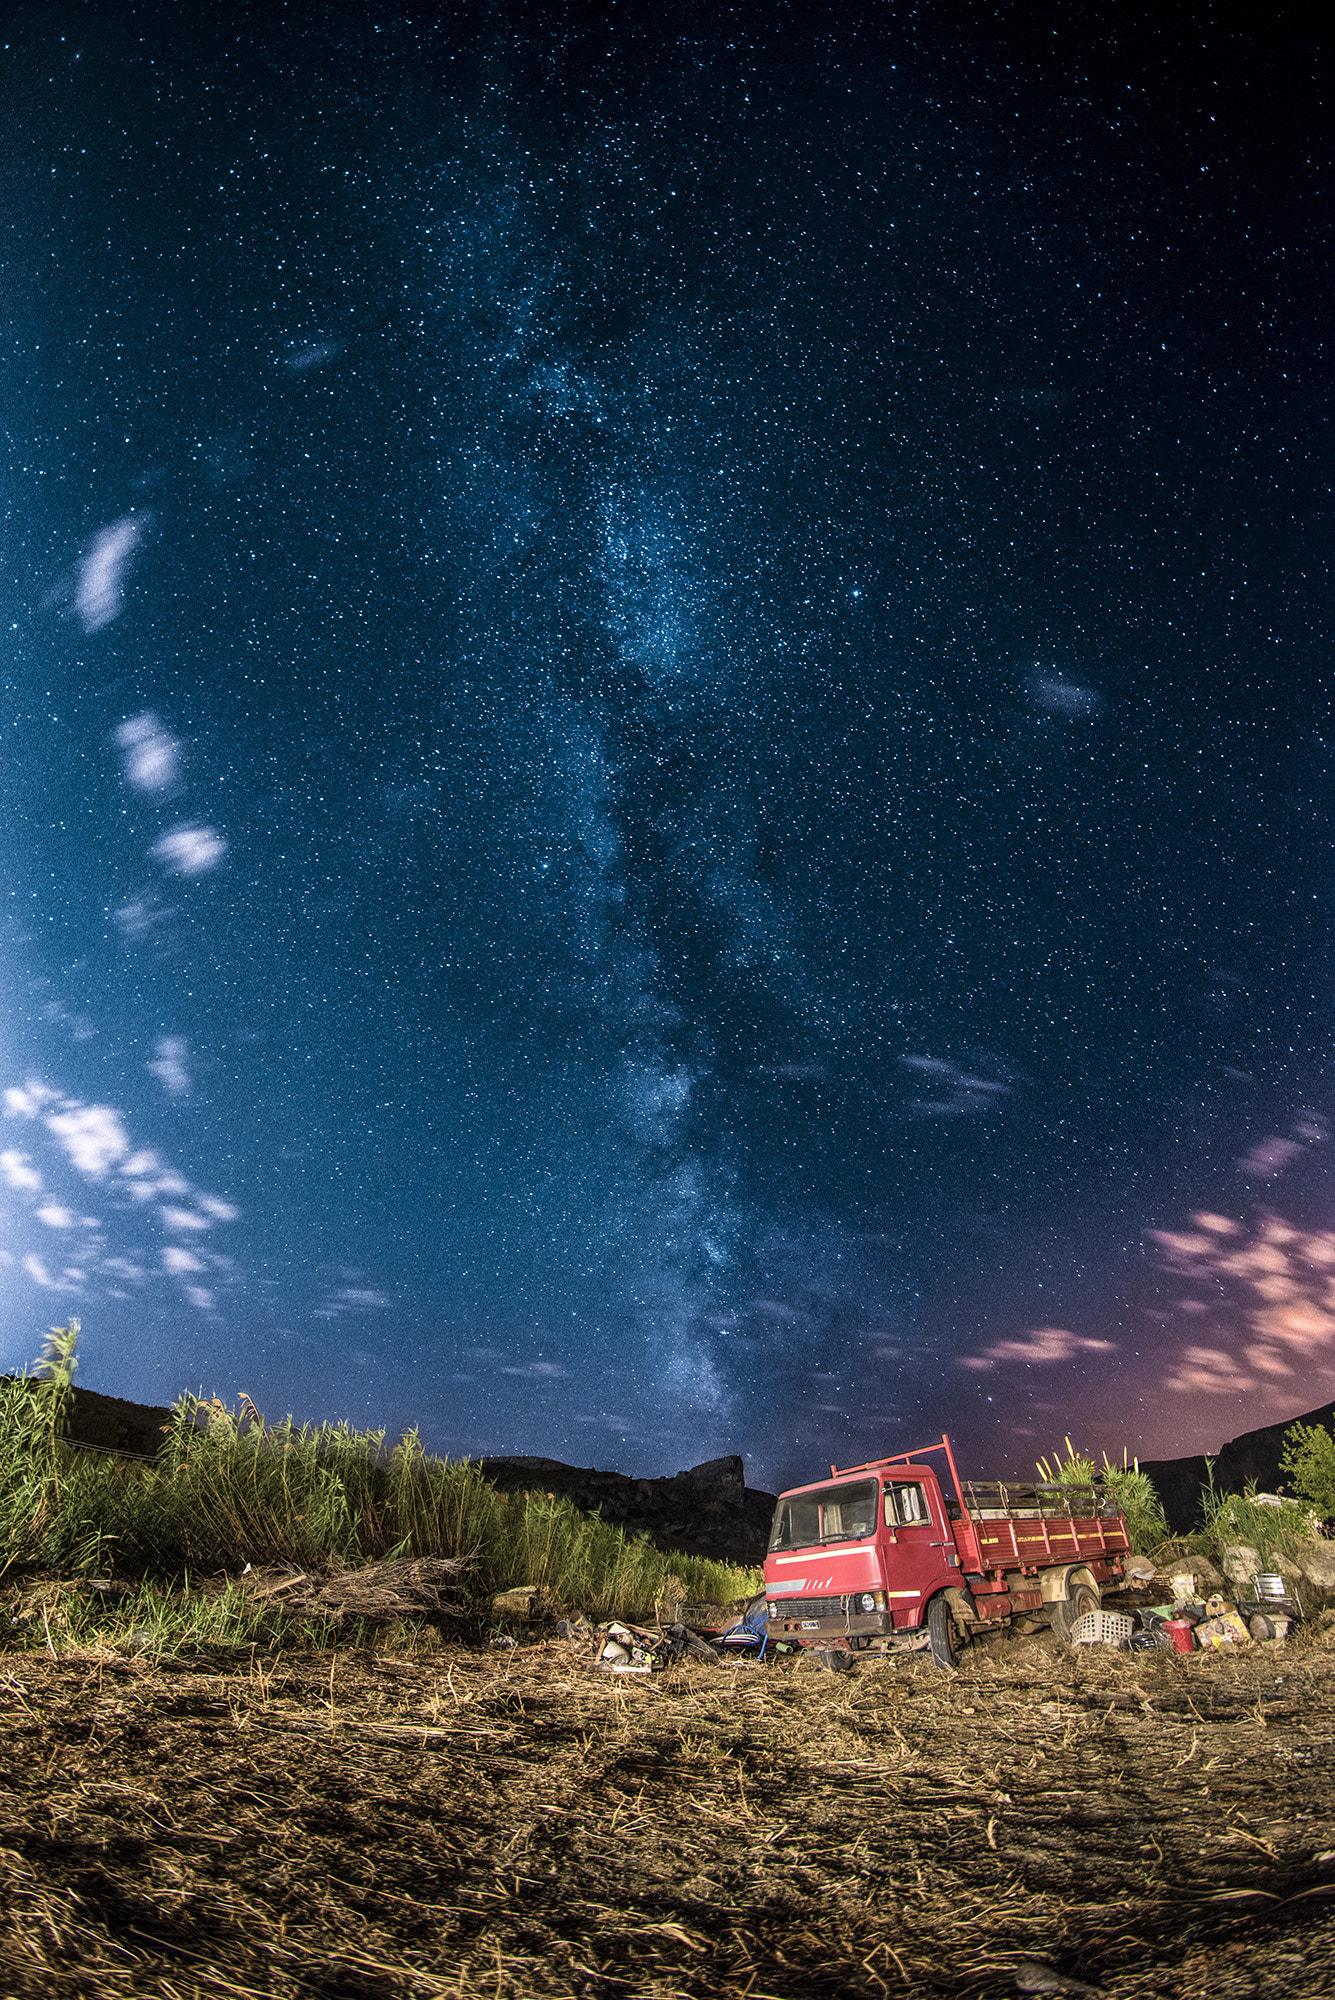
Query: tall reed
[{"x": 227, "y": 1489}]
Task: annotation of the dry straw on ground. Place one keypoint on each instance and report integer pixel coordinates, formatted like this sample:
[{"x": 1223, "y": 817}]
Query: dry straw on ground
[{"x": 476, "y": 1823}]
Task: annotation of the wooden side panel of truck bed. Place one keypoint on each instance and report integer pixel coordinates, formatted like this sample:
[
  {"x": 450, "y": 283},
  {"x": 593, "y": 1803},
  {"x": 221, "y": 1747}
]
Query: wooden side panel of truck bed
[{"x": 1028, "y": 1527}]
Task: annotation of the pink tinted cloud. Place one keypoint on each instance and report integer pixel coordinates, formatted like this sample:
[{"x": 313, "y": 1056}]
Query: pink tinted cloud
[{"x": 1043, "y": 1347}]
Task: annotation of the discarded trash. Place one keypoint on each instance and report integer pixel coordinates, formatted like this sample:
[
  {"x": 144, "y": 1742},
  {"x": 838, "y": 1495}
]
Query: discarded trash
[
  {"x": 1273, "y": 1600},
  {"x": 1265, "y": 1625},
  {"x": 1224, "y": 1629},
  {"x": 1102, "y": 1628},
  {"x": 683, "y": 1640},
  {"x": 573, "y": 1628},
  {"x": 750, "y": 1636},
  {"x": 1182, "y": 1633},
  {"x": 624, "y": 1649}
]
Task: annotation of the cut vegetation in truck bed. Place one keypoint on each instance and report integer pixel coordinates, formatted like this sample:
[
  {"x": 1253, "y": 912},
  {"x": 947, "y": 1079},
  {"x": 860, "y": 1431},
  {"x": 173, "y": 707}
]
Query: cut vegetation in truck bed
[{"x": 485, "y": 1822}]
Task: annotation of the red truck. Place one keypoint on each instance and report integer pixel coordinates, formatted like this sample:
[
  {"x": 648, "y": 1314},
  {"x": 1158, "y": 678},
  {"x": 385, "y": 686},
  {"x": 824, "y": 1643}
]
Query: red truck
[{"x": 894, "y": 1555}]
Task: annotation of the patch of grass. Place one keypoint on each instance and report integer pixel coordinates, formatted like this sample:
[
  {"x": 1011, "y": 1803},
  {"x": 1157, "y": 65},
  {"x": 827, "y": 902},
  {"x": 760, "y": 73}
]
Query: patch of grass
[
  {"x": 228, "y": 1489},
  {"x": 155, "y": 1620}
]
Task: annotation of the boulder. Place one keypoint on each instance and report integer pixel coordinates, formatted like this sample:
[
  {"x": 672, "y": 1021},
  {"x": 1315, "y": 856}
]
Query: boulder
[
  {"x": 1241, "y": 1563},
  {"x": 522, "y": 1602},
  {"x": 1317, "y": 1561},
  {"x": 1204, "y": 1571}
]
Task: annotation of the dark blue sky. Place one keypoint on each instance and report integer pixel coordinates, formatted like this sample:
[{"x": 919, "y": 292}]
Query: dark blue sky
[{"x": 667, "y": 741}]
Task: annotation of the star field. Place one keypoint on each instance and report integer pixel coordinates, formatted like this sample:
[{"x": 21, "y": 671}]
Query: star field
[{"x": 666, "y": 723}]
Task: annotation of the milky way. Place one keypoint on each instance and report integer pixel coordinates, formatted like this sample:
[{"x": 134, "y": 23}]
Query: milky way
[{"x": 666, "y": 725}]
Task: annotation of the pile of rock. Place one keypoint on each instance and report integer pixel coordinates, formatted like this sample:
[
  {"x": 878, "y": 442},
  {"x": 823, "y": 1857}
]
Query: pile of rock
[{"x": 1313, "y": 1562}]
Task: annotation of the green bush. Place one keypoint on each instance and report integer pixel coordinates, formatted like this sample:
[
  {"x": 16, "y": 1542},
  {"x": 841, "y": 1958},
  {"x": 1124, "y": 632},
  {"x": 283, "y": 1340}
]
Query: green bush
[
  {"x": 1134, "y": 1492},
  {"x": 1308, "y": 1457}
]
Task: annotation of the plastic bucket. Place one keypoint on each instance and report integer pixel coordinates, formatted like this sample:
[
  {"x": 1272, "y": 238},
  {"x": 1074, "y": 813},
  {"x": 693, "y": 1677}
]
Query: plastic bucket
[{"x": 1180, "y": 1632}]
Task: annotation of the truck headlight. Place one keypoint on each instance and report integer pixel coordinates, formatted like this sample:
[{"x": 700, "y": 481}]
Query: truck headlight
[{"x": 867, "y": 1601}]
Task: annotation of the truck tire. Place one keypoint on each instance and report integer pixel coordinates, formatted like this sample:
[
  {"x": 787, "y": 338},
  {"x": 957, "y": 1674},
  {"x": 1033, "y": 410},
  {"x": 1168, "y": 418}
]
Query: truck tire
[
  {"x": 941, "y": 1631},
  {"x": 1081, "y": 1597}
]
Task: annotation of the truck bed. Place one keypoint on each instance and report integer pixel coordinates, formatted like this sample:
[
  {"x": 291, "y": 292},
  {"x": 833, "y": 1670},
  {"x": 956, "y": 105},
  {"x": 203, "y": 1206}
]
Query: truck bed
[{"x": 1016, "y": 1525}]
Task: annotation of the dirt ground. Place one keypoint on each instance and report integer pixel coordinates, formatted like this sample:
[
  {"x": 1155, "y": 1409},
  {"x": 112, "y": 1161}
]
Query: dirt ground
[{"x": 488, "y": 1823}]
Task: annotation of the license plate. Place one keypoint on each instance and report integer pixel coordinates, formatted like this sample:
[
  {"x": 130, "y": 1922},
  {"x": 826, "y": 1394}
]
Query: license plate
[{"x": 811, "y": 1624}]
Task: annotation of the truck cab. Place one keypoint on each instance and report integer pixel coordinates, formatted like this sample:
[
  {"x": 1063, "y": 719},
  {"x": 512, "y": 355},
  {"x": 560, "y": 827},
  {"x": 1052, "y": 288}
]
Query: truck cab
[{"x": 886, "y": 1555}]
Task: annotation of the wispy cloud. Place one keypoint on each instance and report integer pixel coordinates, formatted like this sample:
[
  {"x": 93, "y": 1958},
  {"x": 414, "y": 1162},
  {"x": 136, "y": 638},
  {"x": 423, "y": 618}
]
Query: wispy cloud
[
  {"x": 151, "y": 756},
  {"x": 182, "y": 1218},
  {"x": 101, "y": 588},
  {"x": 189, "y": 850},
  {"x": 1269, "y": 1158},
  {"x": 92, "y": 1135},
  {"x": 964, "y": 1093},
  {"x": 352, "y": 1300},
  {"x": 91, "y": 1140},
  {"x": 140, "y": 917},
  {"x": 177, "y": 1260},
  {"x": 169, "y": 1066},
  {"x": 1060, "y": 696},
  {"x": 1043, "y": 1347},
  {"x": 18, "y": 1173},
  {"x": 68, "y": 1280},
  {"x": 1270, "y": 1296}
]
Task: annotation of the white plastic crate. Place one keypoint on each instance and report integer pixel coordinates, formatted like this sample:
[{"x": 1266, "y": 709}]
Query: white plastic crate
[{"x": 1102, "y": 1628}]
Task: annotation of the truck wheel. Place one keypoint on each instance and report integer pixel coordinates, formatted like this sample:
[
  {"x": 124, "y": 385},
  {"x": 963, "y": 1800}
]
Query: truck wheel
[
  {"x": 1080, "y": 1598},
  {"x": 941, "y": 1631}
]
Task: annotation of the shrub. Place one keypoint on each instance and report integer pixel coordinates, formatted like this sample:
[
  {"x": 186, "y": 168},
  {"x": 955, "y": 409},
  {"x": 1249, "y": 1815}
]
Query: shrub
[
  {"x": 1134, "y": 1492},
  {"x": 1308, "y": 1457}
]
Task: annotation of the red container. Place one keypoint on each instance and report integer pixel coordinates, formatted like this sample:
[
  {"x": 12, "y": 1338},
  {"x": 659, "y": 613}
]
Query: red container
[{"x": 1181, "y": 1632}]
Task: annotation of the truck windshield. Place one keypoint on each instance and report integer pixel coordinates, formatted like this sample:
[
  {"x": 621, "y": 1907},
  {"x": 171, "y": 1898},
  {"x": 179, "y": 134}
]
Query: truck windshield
[{"x": 830, "y": 1514}]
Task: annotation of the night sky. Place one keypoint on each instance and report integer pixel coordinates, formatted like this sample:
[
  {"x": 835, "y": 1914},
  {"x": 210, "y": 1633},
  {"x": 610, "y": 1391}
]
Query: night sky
[{"x": 667, "y": 742}]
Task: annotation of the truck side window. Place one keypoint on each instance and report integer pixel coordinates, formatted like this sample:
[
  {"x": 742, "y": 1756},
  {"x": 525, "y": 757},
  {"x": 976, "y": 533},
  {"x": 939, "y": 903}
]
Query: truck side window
[{"x": 906, "y": 1506}]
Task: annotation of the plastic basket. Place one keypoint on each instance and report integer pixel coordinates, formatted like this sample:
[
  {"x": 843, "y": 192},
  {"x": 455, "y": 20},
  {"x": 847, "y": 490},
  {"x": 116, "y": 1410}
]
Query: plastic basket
[{"x": 1102, "y": 1628}]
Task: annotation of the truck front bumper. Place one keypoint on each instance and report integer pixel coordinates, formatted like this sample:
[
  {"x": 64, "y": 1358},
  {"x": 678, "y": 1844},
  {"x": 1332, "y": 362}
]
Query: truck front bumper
[{"x": 846, "y": 1625}]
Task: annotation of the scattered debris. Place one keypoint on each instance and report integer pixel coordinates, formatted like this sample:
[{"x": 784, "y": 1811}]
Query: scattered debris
[
  {"x": 410, "y": 1587},
  {"x": 631, "y": 1649}
]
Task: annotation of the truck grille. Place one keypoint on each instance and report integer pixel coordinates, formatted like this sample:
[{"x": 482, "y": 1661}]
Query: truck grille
[{"x": 810, "y": 1607}]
